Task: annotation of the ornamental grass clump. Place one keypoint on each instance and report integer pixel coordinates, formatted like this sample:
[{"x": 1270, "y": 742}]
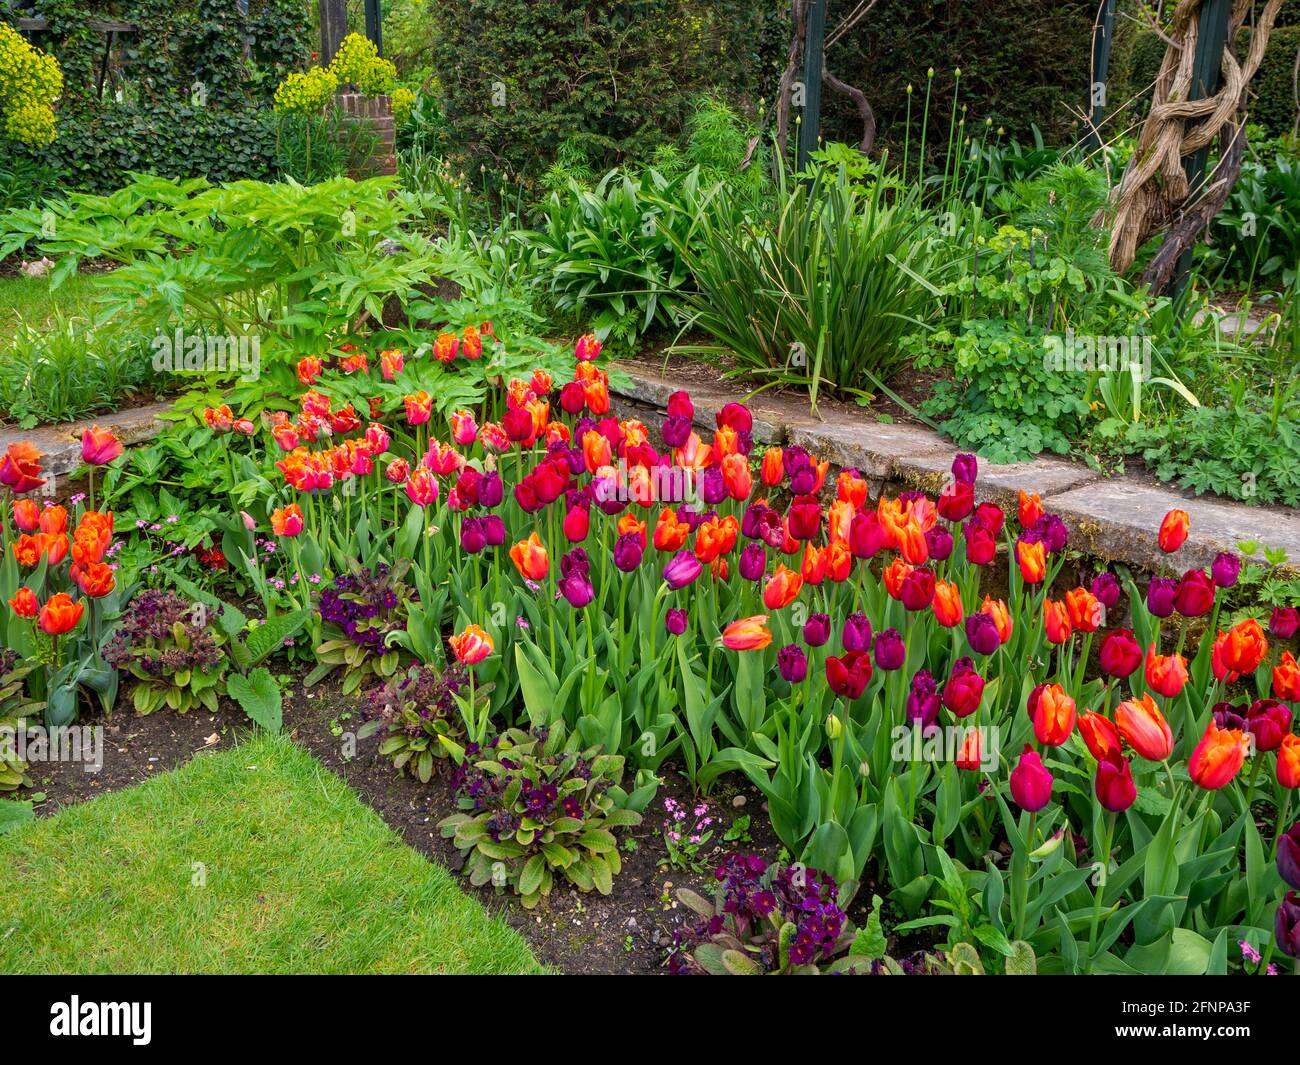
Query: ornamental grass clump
[
  {"x": 176, "y": 656},
  {"x": 417, "y": 711},
  {"x": 538, "y": 805}
]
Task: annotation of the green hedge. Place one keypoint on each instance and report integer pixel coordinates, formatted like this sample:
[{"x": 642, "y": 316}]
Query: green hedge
[
  {"x": 1022, "y": 63},
  {"x": 608, "y": 81},
  {"x": 1273, "y": 87},
  {"x": 96, "y": 147}
]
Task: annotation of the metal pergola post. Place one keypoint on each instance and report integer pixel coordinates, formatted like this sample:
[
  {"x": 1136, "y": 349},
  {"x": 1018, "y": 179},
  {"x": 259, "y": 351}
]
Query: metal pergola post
[
  {"x": 1211, "y": 38},
  {"x": 1103, "y": 39},
  {"x": 814, "y": 49}
]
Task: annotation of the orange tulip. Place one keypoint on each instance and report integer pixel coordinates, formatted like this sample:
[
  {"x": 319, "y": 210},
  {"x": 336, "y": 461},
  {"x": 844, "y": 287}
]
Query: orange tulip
[
  {"x": 736, "y": 476},
  {"x": 1054, "y": 716},
  {"x": 1173, "y": 530},
  {"x": 782, "y": 588},
  {"x": 20, "y": 467},
  {"x": 27, "y": 515},
  {"x": 1165, "y": 674},
  {"x": 530, "y": 558},
  {"x": 27, "y": 549},
  {"x": 99, "y": 446},
  {"x": 747, "y": 634},
  {"x": 24, "y": 603},
  {"x": 1099, "y": 735},
  {"x": 595, "y": 450},
  {"x": 1245, "y": 646},
  {"x": 1288, "y": 761},
  {"x": 1142, "y": 724},
  {"x": 716, "y": 537},
  {"x": 287, "y": 521},
  {"x": 851, "y": 489},
  {"x": 55, "y": 546},
  {"x": 839, "y": 521},
  {"x": 60, "y": 614},
  {"x": 629, "y": 526},
  {"x": 1084, "y": 609},
  {"x": 772, "y": 470},
  {"x": 670, "y": 534},
  {"x": 725, "y": 442},
  {"x": 1056, "y": 621},
  {"x": 1217, "y": 757},
  {"x": 997, "y": 610},
  {"x": 53, "y": 520},
  {"x": 1033, "y": 561},
  {"x": 471, "y": 646},
  {"x": 839, "y": 561},
  {"x": 1286, "y": 678},
  {"x": 912, "y": 544},
  {"x": 814, "y": 563},
  {"x": 894, "y": 575},
  {"x": 947, "y": 604},
  {"x": 1031, "y": 509},
  {"x": 95, "y": 580}
]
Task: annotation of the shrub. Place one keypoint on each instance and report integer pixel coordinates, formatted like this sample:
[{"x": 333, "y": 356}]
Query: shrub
[
  {"x": 517, "y": 78},
  {"x": 539, "y": 806},
  {"x": 15, "y": 709},
  {"x": 417, "y": 712},
  {"x": 30, "y": 83},
  {"x": 176, "y": 657}
]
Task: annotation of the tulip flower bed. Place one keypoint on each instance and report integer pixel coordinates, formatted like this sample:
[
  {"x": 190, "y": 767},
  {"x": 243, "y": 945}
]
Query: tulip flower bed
[{"x": 552, "y": 612}]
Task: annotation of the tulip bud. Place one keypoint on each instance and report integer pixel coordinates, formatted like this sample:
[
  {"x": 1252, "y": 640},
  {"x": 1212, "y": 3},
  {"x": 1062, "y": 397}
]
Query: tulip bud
[{"x": 1031, "y": 783}]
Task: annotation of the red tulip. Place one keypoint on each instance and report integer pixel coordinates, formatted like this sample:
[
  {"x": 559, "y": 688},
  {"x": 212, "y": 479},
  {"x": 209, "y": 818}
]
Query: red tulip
[
  {"x": 1217, "y": 757},
  {"x": 849, "y": 674},
  {"x": 60, "y": 614},
  {"x": 1100, "y": 736},
  {"x": 1165, "y": 674},
  {"x": 1173, "y": 530},
  {"x": 1031, "y": 783},
  {"x": 1116, "y": 790},
  {"x": 1142, "y": 724}
]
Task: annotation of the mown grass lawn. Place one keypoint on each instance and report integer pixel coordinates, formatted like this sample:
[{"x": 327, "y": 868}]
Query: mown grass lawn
[
  {"x": 252, "y": 860},
  {"x": 32, "y": 299}
]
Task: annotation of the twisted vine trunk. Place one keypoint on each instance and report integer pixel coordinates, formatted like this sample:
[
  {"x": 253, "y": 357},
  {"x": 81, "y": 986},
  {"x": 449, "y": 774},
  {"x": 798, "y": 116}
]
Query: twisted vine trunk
[{"x": 1154, "y": 194}]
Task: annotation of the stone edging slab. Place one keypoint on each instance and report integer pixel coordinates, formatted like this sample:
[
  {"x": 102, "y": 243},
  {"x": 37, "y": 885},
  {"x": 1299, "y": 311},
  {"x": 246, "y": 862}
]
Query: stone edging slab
[
  {"x": 1114, "y": 518},
  {"x": 61, "y": 444}
]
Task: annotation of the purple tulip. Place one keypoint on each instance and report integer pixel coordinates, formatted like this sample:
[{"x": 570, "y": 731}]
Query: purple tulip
[
  {"x": 982, "y": 633},
  {"x": 1288, "y": 856},
  {"x": 792, "y": 663},
  {"x": 939, "y": 542},
  {"x": 753, "y": 561},
  {"x": 1105, "y": 586},
  {"x": 891, "y": 653},
  {"x": 472, "y": 538},
  {"x": 682, "y": 569},
  {"x": 494, "y": 530},
  {"x": 713, "y": 489},
  {"x": 923, "y": 700},
  {"x": 675, "y": 621},
  {"x": 1286, "y": 927},
  {"x": 576, "y": 588},
  {"x": 803, "y": 480},
  {"x": 676, "y": 431},
  {"x": 1225, "y": 569},
  {"x": 1160, "y": 596},
  {"x": 964, "y": 469},
  {"x": 817, "y": 630},
  {"x": 628, "y": 550},
  {"x": 1229, "y": 716},
  {"x": 857, "y": 633}
]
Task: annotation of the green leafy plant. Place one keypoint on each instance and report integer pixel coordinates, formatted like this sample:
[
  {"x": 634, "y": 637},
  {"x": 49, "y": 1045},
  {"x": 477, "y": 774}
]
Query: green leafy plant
[
  {"x": 417, "y": 713},
  {"x": 539, "y": 806}
]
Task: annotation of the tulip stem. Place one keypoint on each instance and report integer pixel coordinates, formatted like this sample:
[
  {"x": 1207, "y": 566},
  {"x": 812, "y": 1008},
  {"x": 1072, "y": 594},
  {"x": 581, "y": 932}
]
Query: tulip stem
[{"x": 1103, "y": 874}]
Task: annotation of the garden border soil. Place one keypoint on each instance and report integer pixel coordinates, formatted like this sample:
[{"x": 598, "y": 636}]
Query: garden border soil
[{"x": 627, "y": 932}]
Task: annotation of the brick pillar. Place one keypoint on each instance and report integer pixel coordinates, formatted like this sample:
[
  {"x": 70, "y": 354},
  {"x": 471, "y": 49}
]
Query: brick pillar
[{"x": 377, "y": 113}]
